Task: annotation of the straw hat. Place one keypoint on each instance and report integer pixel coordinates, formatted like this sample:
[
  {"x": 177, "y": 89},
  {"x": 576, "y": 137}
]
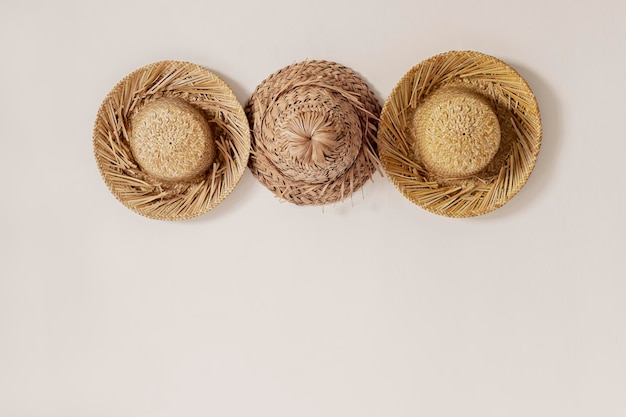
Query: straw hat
[
  {"x": 314, "y": 129},
  {"x": 460, "y": 134},
  {"x": 171, "y": 140}
]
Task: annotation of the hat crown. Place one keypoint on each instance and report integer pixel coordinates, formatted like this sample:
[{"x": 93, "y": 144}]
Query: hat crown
[
  {"x": 317, "y": 136},
  {"x": 311, "y": 138},
  {"x": 171, "y": 139},
  {"x": 457, "y": 132}
]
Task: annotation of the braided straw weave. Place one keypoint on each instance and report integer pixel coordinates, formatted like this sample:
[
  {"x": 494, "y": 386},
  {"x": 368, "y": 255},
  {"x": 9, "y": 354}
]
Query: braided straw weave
[
  {"x": 171, "y": 140},
  {"x": 460, "y": 133},
  {"x": 314, "y": 128}
]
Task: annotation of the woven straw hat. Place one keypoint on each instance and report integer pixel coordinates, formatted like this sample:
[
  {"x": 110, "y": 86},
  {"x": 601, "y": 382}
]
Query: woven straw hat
[
  {"x": 314, "y": 129},
  {"x": 460, "y": 134},
  {"x": 171, "y": 140}
]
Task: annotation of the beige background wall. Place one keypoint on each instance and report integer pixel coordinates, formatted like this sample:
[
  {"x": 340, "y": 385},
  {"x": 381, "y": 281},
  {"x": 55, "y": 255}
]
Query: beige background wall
[{"x": 372, "y": 307}]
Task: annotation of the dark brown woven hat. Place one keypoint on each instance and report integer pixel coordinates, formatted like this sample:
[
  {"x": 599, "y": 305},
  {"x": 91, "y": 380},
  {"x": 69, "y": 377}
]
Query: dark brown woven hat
[
  {"x": 460, "y": 134},
  {"x": 314, "y": 128},
  {"x": 171, "y": 140}
]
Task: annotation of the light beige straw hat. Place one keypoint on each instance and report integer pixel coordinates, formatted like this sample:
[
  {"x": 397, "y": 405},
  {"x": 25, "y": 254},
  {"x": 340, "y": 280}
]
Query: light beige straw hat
[
  {"x": 171, "y": 140},
  {"x": 314, "y": 129},
  {"x": 460, "y": 134}
]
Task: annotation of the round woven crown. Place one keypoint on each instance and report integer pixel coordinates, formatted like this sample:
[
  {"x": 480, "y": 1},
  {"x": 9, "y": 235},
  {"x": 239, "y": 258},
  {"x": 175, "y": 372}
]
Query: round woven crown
[
  {"x": 314, "y": 127},
  {"x": 317, "y": 137},
  {"x": 171, "y": 140},
  {"x": 456, "y": 133}
]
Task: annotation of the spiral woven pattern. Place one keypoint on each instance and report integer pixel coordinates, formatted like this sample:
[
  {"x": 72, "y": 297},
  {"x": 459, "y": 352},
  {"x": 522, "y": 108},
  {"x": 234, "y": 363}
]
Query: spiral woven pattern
[
  {"x": 441, "y": 187},
  {"x": 314, "y": 128},
  {"x": 165, "y": 99}
]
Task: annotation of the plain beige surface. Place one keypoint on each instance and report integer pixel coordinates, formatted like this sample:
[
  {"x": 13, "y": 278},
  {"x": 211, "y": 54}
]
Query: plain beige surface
[{"x": 372, "y": 307}]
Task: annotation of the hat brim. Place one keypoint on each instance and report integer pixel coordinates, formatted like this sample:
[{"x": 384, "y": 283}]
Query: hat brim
[
  {"x": 517, "y": 111},
  {"x": 145, "y": 194},
  {"x": 338, "y": 79}
]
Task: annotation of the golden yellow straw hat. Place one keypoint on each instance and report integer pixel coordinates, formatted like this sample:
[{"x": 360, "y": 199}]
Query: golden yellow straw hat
[
  {"x": 171, "y": 140},
  {"x": 314, "y": 129},
  {"x": 460, "y": 133}
]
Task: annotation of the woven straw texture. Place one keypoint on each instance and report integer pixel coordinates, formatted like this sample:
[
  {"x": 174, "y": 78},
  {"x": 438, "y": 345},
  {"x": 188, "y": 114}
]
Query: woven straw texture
[
  {"x": 314, "y": 128},
  {"x": 171, "y": 140},
  {"x": 452, "y": 92}
]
